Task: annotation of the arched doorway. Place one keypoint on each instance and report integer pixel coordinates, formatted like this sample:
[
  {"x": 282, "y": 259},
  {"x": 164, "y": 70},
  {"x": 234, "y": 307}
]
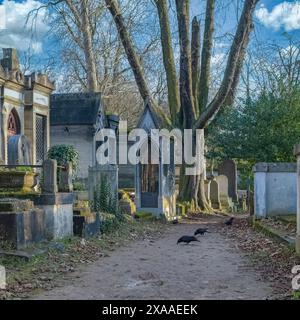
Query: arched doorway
[
  {"x": 13, "y": 124},
  {"x": 149, "y": 181}
]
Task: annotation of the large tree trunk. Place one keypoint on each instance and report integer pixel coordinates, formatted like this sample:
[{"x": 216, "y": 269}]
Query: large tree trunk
[
  {"x": 83, "y": 37},
  {"x": 132, "y": 56},
  {"x": 199, "y": 191},
  {"x": 204, "y": 81},
  {"x": 185, "y": 82},
  {"x": 188, "y": 186},
  {"x": 192, "y": 187},
  {"x": 92, "y": 81},
  {"x": 168, "y": 58},
  {"x": 195, "y": 46}
]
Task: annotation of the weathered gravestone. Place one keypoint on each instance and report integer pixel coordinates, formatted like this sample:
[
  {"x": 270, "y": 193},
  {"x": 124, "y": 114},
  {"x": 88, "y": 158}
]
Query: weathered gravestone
[
  {"x": 18, "y": 150},
  {"x": 65, "y": 178},
  {"x": 228, "y": 168},
  {"x": 50, "y": 176},
  {"x": 215, "y": 195},
  {"x": 223, "y": 190}
]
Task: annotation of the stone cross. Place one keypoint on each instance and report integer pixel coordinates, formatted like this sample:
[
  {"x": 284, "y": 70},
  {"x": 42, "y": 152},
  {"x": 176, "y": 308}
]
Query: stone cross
[
  {"x": 228, "y": 168},
  {"x": 50, "y": 176}
]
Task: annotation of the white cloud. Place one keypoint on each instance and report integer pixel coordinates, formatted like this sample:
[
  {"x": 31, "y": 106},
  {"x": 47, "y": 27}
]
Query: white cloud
[
  {"x": 284, "y": 15},
  {"x": 16, "y": 32}
]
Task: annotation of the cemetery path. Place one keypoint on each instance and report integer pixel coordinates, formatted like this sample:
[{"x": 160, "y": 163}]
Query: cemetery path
[{"x": 213, "y": 268}]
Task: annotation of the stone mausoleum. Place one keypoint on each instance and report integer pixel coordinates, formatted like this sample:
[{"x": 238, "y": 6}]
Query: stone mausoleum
[
  {"x": 24, "y": 108},
  {"x": 155, "y": 190},
  {"x": 75, "y": 120}
]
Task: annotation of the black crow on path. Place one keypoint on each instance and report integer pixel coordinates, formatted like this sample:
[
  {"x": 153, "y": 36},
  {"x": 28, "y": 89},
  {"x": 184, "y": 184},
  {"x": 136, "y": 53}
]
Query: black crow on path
[
  {"x": 187, "y": 239},
  {"x": 201, "y": 231},
  {"x": 229, "y": 222}
]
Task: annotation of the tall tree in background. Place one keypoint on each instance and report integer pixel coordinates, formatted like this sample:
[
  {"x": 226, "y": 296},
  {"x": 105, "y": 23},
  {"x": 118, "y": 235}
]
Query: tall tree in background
[
  {"x": 183, "y": 110},
  {"x": 89, "y": 55}
]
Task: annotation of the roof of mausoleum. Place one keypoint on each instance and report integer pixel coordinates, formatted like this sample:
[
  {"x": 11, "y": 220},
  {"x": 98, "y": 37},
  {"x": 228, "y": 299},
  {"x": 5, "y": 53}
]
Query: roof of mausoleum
[
  {"x": 75, "y": 108},
  {"x": 159, "y": 116}
]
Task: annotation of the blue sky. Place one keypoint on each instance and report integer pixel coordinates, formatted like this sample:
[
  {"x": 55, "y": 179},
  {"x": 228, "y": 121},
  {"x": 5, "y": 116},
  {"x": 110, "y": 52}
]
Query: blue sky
[{"x": 272, "y": 19}]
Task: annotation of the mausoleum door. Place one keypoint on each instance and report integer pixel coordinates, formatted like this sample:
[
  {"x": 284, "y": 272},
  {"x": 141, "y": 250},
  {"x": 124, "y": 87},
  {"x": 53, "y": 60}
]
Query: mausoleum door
[{"x": 149, "y": 185}]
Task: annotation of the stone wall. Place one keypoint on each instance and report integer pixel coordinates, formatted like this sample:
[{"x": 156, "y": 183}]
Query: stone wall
[{"x": 275, "y": 189}]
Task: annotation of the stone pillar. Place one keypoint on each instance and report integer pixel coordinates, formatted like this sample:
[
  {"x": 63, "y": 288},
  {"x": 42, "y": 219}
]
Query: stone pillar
[
  {"x": 50, "y": 176},
  {"x": 65, "y": 178},
  {"x": 297, "y": 154},
  {"x": 260, "y": 190}
]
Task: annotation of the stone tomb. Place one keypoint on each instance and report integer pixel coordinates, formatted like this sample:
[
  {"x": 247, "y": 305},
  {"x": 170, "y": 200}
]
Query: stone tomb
[
  {"x": 155, "y": 189},
  {"x": 21, "y": 223},
  {"x": 275, "y": 189}
]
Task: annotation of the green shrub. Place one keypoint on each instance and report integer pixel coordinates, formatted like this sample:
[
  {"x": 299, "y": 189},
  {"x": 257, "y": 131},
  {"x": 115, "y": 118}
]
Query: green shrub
[
  {"x": 108, "y": 222},
  {"x": 63, "y": 154}
]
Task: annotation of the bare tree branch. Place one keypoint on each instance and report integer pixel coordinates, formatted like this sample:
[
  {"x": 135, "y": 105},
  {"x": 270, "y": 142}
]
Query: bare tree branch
[{"x": 232, "y": 71}]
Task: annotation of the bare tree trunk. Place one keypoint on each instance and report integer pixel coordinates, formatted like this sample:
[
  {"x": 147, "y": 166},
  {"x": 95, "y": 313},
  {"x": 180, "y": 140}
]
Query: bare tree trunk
[
  {"x": 232, "y": 92},
  {"x": 132, "y": 57},
  {"x": 232, "y": 71},
  {"x": 92, "y": 85},
  {"x": 185, "y": 82},
  {"x": 188, "y": 187},
  {"x": 168, "y": 57},
  {"x": 204, "y": 81},
  {"x": 195, "y": 46}
]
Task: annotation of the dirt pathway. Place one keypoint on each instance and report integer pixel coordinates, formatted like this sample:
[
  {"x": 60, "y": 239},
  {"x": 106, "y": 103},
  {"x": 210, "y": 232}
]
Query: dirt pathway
[{"x": 159, "y": 269}]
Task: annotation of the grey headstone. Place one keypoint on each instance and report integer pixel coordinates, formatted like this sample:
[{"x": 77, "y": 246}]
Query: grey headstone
[
  {"x": 223, "y": 185},
  {"x": 228, "y": 168},
  {"x": 18, "y": 150},
  {"x": 215, "y": 195},
  {"x": 50, "y": 176}
]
